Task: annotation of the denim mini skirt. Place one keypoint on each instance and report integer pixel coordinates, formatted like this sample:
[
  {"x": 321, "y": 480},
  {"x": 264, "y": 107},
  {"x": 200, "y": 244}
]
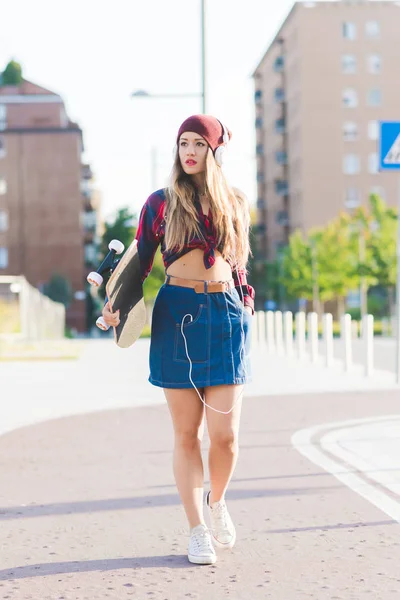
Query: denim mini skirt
[{"x": 202, "y": 338}]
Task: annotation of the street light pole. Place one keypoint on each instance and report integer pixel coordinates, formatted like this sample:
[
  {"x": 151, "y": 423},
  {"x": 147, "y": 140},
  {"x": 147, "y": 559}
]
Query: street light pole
[{"x": 203, "y": 56}]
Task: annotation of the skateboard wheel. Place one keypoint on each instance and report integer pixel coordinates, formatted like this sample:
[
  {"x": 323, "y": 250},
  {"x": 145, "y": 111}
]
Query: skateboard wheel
[
  {"x": 117, "y": 246},
  {"x": 95, "y": 279},
  {"x": 101, "y": 324}
]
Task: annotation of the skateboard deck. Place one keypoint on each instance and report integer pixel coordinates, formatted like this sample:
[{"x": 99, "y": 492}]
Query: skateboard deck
[{"x": 125, "y": 293}]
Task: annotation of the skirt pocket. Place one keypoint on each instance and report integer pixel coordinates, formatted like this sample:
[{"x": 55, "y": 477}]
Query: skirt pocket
[{"x": 196, "y": 334}]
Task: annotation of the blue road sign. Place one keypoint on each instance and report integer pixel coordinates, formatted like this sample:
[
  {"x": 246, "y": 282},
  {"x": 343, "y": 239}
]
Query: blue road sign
[{"x": 389, "y": 145}]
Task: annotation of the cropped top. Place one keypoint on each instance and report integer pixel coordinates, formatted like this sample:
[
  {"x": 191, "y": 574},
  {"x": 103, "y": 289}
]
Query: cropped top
[{"x": 151, "y": 231}]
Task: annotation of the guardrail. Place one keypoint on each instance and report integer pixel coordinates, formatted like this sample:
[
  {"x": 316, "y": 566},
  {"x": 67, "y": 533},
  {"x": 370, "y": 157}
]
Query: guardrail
[{"x": 26, "y": 314}]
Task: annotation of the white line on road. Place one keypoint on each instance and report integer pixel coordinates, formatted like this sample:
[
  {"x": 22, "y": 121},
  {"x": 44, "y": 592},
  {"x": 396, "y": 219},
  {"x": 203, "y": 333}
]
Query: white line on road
[{"x": 306, "y": 442}]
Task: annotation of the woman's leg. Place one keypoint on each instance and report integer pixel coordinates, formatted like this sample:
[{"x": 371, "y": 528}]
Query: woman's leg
[
  {"x": 187, "y": 413},
  {"x": 223, "y": 432}
]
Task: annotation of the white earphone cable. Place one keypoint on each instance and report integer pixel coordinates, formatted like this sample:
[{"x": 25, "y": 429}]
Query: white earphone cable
[{"x": 242, "y": 352}]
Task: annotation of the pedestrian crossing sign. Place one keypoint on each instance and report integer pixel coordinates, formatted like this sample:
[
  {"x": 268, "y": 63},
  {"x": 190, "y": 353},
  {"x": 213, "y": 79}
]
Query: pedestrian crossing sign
[{"x": 389, "y": 145}]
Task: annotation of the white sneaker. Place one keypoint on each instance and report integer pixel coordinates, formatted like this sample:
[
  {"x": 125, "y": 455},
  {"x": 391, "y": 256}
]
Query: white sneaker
[
  {"x": 222, "y": 528},
  {"x": 201, "y": 550}
]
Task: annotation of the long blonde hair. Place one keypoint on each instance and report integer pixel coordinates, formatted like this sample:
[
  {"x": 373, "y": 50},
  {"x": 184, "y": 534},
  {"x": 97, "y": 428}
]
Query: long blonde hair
[{"x": 229, "y": 210}]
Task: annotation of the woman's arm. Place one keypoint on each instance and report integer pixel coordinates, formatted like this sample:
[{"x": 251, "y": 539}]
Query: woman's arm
[
  {"x": 246, "y": 292},
  {"x": 151, "y": 216},
  {"x": 147, "y": 234}
]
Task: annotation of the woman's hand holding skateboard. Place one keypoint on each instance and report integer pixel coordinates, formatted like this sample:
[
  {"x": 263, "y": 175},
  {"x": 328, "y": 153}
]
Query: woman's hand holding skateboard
[{"x": 111, "y": 318}]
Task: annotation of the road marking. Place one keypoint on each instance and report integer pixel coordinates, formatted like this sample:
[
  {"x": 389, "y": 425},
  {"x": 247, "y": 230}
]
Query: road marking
[{"x": 350, "y": 467}]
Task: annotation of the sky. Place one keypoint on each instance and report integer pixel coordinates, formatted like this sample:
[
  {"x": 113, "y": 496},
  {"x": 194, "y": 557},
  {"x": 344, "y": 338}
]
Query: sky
[{"x": 96, "y": 53}]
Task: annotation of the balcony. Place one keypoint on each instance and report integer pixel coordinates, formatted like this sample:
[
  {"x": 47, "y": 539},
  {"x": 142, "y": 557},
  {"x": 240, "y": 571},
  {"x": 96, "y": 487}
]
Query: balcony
[
  {"x": 280, "y": 126},
  {"x": 279, "y": 64},
  {"x": 86, "y": 172},
  {"x": 281, "y": 187},
  {"x": 281, "y": 157},
  {"x": 279, "y": 94},
  {"x": 282, "y": 218},
  {"x": 261, "y": 203}
]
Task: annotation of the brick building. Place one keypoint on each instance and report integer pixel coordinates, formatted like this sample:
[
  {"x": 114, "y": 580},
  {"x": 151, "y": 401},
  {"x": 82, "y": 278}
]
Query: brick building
[{"x": 47, "y": 218}]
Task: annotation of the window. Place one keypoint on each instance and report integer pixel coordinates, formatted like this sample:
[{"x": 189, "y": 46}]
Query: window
[
  {"x": 282, "y": 218},
  {"x": 349, "y": 98},
  {"x": 352, "y": 198},
  {"x": 3, "y": 117},
  {"x": 281, "y": 187},
  {"x": 374, "y": 97},
  {"x": 372, "y": 29},
  {"x": 259, "y": 122},
  {"x": 3, "y": 186},
  {"x": 260, "y": 149},
  {"x": 260, "y": 203},
  {"x": 279, "y": 95},
  {"x": 2, "y": 146},
  {"x": 349, "y": 30},
  {"x": 351, "y": 164},
  {"x": 374, "y": 64},
  {"x": 373, "y": 130},
  {"x": 3, "y": 258},
  {"x": 349, "y": 64},
  {"x": 373, "y": 163},
  {"x": 350, "y": 131},
  {"x": 281, "y": 157},
  {"x": 379, "y": 191},
  {"x": 280, "y": 126},
  {"x": 3, "y": 220},
  {"x": 279, "y": 64},
  {"x": 260, "y": 176},
  {"x": 257, "y": 96}
]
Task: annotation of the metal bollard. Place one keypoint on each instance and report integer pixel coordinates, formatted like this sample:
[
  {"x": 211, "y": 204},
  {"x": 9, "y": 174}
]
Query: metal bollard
[
  {"x": 288, "y": 332},
  {"x": 345, "y": 336},
  {"x": 327, "y": 329},
  {"x": 254, "y": 331},
  {"x": 261, "y": 328},
  {"x": 368, "y": 344},
  {"x": 385, "y": 327},
  {"x": 279, "y": 332},
  {"x": 270, "y": 331},
  {"x": 312, "y": 319},
  {"x": 300, "y": 334}
]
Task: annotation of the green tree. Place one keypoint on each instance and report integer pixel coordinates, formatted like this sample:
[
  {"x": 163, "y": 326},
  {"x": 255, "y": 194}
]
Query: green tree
[
  {"x": 382, "y": 246},
  {"x": 124, "y": 228},
  {"x": 337, "y": 266},
  {"x": 59, "y": 289},
  {"x": 296, "y": 268},
  {"x": 12, "y": 74}
]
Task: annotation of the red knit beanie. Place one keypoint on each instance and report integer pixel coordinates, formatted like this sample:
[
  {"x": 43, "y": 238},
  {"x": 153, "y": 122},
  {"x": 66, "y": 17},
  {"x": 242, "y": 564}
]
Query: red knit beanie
[{"x": 208, "y": 127}]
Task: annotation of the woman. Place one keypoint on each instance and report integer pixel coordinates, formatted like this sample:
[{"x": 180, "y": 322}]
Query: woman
[{"x": 201, "y": 321}]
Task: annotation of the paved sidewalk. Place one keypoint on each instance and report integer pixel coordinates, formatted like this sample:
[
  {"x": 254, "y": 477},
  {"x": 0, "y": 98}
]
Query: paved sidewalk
[
  {"x": 89, "y": 508},
  {"x": 106, "y": 377}
]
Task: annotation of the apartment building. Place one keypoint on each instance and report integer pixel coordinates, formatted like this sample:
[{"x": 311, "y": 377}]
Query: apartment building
[
  {"x": 47, "y": 219},
  {"x": 329, "y": 76}
]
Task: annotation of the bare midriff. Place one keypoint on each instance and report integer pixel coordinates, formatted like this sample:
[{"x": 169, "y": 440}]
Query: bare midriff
[{"x": 191, "y": 266}]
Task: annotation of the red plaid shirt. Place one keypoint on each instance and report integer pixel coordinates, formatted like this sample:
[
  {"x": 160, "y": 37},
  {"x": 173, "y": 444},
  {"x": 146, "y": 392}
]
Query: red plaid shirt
[{"x": 150, "y": 234}]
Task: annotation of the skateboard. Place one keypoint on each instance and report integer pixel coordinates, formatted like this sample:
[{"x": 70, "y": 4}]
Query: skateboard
[{"x": 124, "y": 291}]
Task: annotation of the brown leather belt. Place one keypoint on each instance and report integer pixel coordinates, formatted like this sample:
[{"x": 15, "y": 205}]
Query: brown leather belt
[{"x": 201, "y": 286}]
